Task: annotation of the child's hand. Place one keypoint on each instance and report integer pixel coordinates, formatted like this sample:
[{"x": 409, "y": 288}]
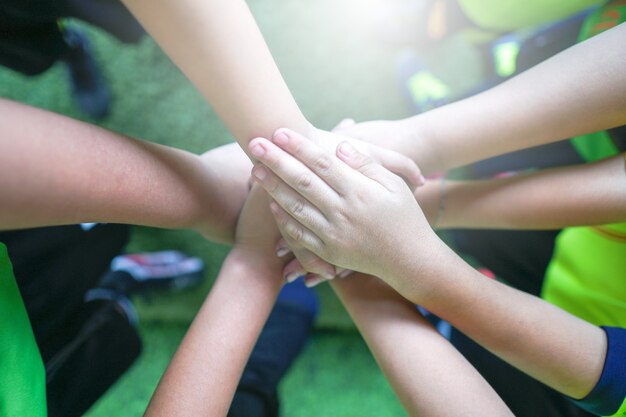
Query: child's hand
[
  {"x": 409, "y": 137},
  {"x": 377, "y": 149},
  {"x": 257, "y": 234},
  {"x": 390, "y": 159},
  {"x": 355, "y": 215}
]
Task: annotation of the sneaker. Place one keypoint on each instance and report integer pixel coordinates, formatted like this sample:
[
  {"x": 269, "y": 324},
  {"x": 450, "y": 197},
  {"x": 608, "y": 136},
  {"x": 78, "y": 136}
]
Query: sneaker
[
  {"x": 89, "y": 89},
  {"x": 164, "y": 270}
]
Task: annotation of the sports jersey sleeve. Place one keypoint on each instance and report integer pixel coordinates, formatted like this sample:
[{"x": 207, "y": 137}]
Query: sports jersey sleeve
[{"x": 608, "y": 397}]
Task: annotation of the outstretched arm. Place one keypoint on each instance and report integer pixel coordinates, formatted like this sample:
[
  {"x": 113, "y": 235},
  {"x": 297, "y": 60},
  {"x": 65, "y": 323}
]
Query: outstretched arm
[
  {"x": 424, "y": 369},
  {"x": 218, "y": 45},
  {"x": 578, "y": 91},
  {"x": 549, "y": 199},
  {"x": 202, "y": 377},
  {"x": 55, "y": 170}
]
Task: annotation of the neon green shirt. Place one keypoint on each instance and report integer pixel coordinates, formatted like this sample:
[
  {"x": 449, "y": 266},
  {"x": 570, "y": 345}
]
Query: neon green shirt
[{"x": 22, "y": 373}]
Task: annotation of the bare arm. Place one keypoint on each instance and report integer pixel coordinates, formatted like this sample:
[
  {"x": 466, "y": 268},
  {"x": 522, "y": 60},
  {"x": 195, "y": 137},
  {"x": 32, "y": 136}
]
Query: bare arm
[
  {"x": 203, "y": 375},
  {"x": 549, "y": 199},
  {"x": 218, "y": 45},
  {"x": 424, "y": 369},
  {"x": 549, "y": 344},
  {"x": 55, "y": 170},
  {"x": 580, "y": 90}
]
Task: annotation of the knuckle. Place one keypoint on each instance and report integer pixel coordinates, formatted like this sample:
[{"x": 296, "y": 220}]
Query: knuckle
[
  {"x": 304, "y": 181},
  {"x": 322, "y": 163},
  {"x": 334, "y": 239},
  {"x": 297, "y": 207},
  {"x": 296, "y": 232}
]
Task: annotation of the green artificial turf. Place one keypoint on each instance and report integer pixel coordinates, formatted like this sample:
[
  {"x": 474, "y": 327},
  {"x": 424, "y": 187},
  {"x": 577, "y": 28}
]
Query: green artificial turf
[{"x": 334, "y": 71}]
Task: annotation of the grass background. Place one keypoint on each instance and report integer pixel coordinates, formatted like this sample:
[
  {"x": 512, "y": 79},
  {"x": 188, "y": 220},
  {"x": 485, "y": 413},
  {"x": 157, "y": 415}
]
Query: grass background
[{"x": 334, "y": 70}]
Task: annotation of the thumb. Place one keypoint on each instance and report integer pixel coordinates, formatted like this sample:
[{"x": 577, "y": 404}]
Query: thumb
[
  {"x": 364, "y": 164},
  {"x": 401, "y": 165}
]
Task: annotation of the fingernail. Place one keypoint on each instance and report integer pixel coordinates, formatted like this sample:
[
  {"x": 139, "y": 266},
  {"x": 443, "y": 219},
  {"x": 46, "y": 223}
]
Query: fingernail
[
  {"x": 281, "y": 138},
  {"x": 280, "y": 252},
  {"x": 274, "y": 207},
  {"x": 422, "y": 180},
  {"x": 345, "y": 273},
  {"x": 257, "y": 150},
  {"x": 292, "y": 276},
  {"x": 259, "y": 173},
  {"x": 346, "y": 149},
  {"x": 329, "y": 274},
  {"x": 313, "y": 280}
]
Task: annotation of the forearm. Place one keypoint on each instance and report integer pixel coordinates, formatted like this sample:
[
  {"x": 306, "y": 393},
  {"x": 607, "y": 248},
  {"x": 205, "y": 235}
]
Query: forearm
[
  {"x": 549, "y": 199},
  {"x": 425, "y": 371},
  {"x": 218, "y": 45},
  {"x": 547, "y": 343},
  {"x": 203, "y": 375},
  {"x": 579, "y": 91},
  {"x": 55, "y": 170}
]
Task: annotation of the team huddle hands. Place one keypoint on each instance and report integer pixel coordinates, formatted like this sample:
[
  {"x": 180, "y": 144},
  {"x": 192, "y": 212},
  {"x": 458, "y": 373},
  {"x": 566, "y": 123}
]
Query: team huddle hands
[
  {"x": 324, "y": 204},
  {"x": 346, "y": 208}
]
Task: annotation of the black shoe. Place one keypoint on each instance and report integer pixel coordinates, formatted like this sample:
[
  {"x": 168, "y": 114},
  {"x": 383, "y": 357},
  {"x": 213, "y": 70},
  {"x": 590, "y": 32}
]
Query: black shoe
[{"x": 89, "y": 89}]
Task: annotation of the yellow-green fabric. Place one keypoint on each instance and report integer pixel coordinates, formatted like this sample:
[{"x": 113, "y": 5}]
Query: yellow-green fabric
[
  {"x": 510, "y": 15},
  {"x": 22, "y": 374},
  {"x": 587, "y": 274}
]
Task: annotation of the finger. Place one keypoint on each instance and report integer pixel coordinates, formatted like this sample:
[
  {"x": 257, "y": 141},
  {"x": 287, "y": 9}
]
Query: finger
[
  {"x": 321, "y": 162},
  {"x": 306, "y": 261},
  {"x": 295, "y": 204},
  {"x": 313, "y": 280},
  {"x": 294, "y": 173},
  {"x": 345, "y": 123},
  {"x": 295, "y": 232},
  {"x": 367, "y": 166},
  {"x": 282, "y": 249},
  {"x": 293, "y": 270},
  {"x": 342, "y": 273},
  {"x": 401, "y": 165}
]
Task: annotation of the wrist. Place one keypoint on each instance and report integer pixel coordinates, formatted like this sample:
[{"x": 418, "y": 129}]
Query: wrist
[
  {"x": 421, "y": 143},
  {"x": 417, "y": 271},
  {"x": 440, "y": 280}
]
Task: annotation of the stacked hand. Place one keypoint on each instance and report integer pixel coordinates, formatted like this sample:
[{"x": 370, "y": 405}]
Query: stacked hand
[
  {"x": 349, "y": 210},
  {"x": 255, "y": 226}
]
